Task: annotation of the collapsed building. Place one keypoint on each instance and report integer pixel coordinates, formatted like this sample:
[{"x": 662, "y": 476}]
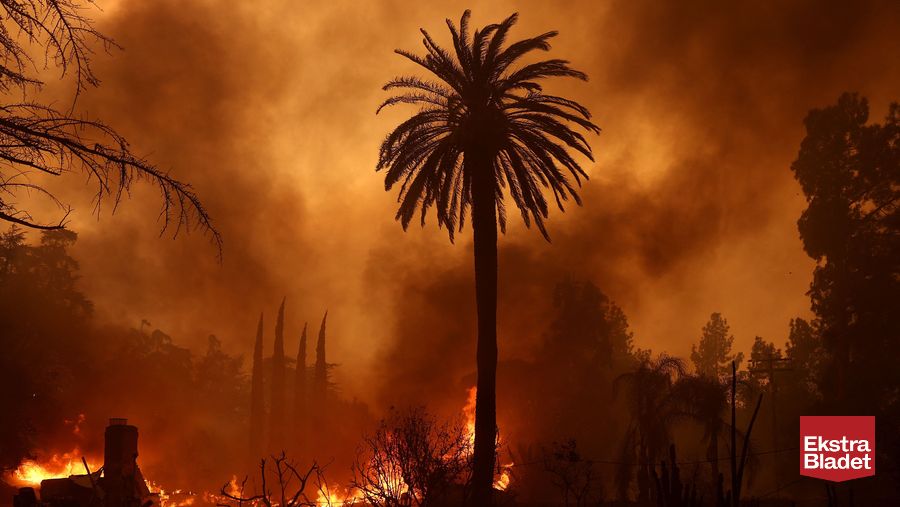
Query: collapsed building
[{"x": 118, "y": 483}]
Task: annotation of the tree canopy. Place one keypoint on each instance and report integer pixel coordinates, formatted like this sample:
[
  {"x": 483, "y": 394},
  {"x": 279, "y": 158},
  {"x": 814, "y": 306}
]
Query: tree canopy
[{"x": 481, "y": 103}]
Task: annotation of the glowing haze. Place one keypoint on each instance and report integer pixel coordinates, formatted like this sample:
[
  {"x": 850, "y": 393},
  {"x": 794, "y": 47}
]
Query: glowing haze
[{"x": 268, "y": 109}]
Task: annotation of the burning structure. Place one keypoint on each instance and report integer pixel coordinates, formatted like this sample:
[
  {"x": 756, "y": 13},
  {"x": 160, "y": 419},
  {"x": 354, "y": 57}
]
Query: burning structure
[{"x": 118, "y": 483}]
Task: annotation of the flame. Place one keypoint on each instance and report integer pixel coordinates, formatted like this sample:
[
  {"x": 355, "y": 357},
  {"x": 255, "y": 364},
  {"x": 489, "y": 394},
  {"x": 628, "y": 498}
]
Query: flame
[
  {"x": 469, "y": 413},
  {"x": 32, "y": 472},
  {"x": 327, "y": 497},
  {"x": 234, "y": 489},
  {"x": 175, "y": 497},
  {"x": 502, "y": 482}
]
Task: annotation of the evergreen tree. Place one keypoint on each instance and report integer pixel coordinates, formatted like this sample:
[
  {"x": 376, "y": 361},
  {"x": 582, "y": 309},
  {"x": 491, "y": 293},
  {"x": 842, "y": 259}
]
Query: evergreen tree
[
  {"x": 804, "y": 347},
  {"x": 300, "y": 426},
  {"x": 848, "y": 170},
  {"x": 277, "y": 399},
  {"x": 589, "y": 328},
  {"x": 762, "y": 349},
  {"x": 321, "y": 373},
  {"x": 257, "y": 405},
  {"x": 713, "y": 357}
]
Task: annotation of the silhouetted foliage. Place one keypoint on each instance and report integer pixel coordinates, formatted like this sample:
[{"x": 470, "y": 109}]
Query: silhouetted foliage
[
  {"x": 704, "y": 399},
  {"x": 277, "y": 396},
  {"x": 39, "y": 140},
  {"x": 587, "y": 328},
  {"x": 850, "y": 174},
  {"x": 215, "y": 373},
  {"x": 257, "y": 399},
  {"x": 321, "y": 382},
  {"x": 293, "y": 485},
  {"x": 412, "y": 460},
  {"x": 713, "y": 354},
  {"x": 64, "y": 367},
  {"x": 670, "y": 490},
  {"x": 39, "y": 305},
  {"x": 484, "y": 126},
  {"x": 301, "y": 397},
  {"x": 649, "y": 393},
  {"x": 740, "y": 459},
  {"x": 849, "y": 171},
  {"x": 804, "y": 347}
]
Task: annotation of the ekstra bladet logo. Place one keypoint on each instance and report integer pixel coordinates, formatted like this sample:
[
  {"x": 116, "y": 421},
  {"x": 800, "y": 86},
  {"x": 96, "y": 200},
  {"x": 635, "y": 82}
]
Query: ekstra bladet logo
[{"x": 837, "y": 448}]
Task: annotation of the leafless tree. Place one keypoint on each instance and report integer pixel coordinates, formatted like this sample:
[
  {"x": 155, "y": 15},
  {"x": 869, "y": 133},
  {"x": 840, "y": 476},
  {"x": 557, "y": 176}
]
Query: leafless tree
[
  {"x": 412, "y": 460},
  {"x": 38, "y": 140},
  {"x": 290, "y": 489}
]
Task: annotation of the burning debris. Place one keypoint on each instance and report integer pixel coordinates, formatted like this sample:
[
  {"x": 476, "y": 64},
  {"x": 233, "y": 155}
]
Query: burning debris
[
  {"x": 32, "y": 471},
  {"x": 118, "y": 483}
]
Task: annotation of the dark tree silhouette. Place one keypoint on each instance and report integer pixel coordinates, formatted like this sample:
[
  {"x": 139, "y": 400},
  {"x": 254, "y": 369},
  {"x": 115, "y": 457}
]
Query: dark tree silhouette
[
  {"x": 588, "y": 328},
  {"x": 321, "y": 371},
  {"x": 713, "y": 354},
  {"x": 671, "y": 491},
  {"x": 652, "y": 406},
  {"x": 484, "y": 126},
  {"x": 849, "y": 170},
  {"x": 277, "y": 394},
  {"x": 705, "y": 400},
  {"x": 291, "y": 489},
  {"x": 300, "y": 398},
  {"x": 39, "y": 140},
  {"x": 411, "y": 459},
  {"x": 63, "y": 369},
  {"x": 850, "y": 174},
  {"x": 257, "y": 405},
  {"x": 804, "y": 347}
]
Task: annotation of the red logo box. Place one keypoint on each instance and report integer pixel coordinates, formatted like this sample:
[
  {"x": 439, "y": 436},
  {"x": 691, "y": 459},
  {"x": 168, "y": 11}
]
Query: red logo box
[{"x": 837, "y": 448}]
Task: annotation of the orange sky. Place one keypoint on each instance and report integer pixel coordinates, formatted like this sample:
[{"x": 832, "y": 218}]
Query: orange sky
[{"x": 268, "y": 109}]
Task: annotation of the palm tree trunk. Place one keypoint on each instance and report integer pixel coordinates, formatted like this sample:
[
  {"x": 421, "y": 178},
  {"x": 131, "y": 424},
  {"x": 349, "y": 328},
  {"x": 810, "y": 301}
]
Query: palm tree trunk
[{"x": 484, "y": 224}]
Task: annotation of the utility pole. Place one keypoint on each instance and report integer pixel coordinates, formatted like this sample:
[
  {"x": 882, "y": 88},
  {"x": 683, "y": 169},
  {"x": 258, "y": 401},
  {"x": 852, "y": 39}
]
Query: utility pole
[{"x": 767, "y": 367}]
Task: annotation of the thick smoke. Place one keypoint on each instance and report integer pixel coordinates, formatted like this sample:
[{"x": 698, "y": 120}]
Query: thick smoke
[{"x": 269, "y": 111}]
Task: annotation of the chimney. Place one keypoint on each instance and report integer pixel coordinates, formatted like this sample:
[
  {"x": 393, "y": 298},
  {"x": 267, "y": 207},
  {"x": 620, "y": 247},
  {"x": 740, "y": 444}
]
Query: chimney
[{"x": 119, "y": 463}]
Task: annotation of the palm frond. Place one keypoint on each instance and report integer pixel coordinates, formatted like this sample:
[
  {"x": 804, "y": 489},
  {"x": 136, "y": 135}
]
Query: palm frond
[{"x": 478, "y": 100}]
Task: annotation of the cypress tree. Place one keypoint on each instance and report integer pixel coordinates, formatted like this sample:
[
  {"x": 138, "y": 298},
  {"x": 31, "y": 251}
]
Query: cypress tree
[
  {"x": 276, "y": 410},
  {"x": 257, "y": 407},
  {"x": 321, "y": 374},
  {"x": 300, "y": 393}
]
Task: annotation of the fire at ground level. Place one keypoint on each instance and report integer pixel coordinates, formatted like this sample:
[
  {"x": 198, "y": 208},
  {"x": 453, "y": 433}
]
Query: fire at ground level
[{"x": 72, "y": 480}]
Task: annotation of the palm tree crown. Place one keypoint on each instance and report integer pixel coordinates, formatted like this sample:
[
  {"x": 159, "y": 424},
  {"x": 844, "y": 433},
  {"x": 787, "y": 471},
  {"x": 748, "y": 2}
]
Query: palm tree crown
[{"x": 480, "y": 106}]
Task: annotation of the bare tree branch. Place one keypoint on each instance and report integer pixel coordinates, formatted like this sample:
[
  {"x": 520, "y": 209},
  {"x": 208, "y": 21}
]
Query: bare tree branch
[{"x": 38, "y": 138}]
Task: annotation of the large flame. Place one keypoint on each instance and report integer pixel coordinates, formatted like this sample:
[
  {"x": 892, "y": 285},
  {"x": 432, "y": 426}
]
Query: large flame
[{"x": 32, "y": 472}]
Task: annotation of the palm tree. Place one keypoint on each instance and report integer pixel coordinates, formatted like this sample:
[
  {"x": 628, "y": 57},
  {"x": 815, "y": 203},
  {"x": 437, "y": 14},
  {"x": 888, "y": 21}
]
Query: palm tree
[
  {"x": 483, "y": 126},
  {"x": 705, "y": 400},
  {"x": 649, "y": 391}
]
